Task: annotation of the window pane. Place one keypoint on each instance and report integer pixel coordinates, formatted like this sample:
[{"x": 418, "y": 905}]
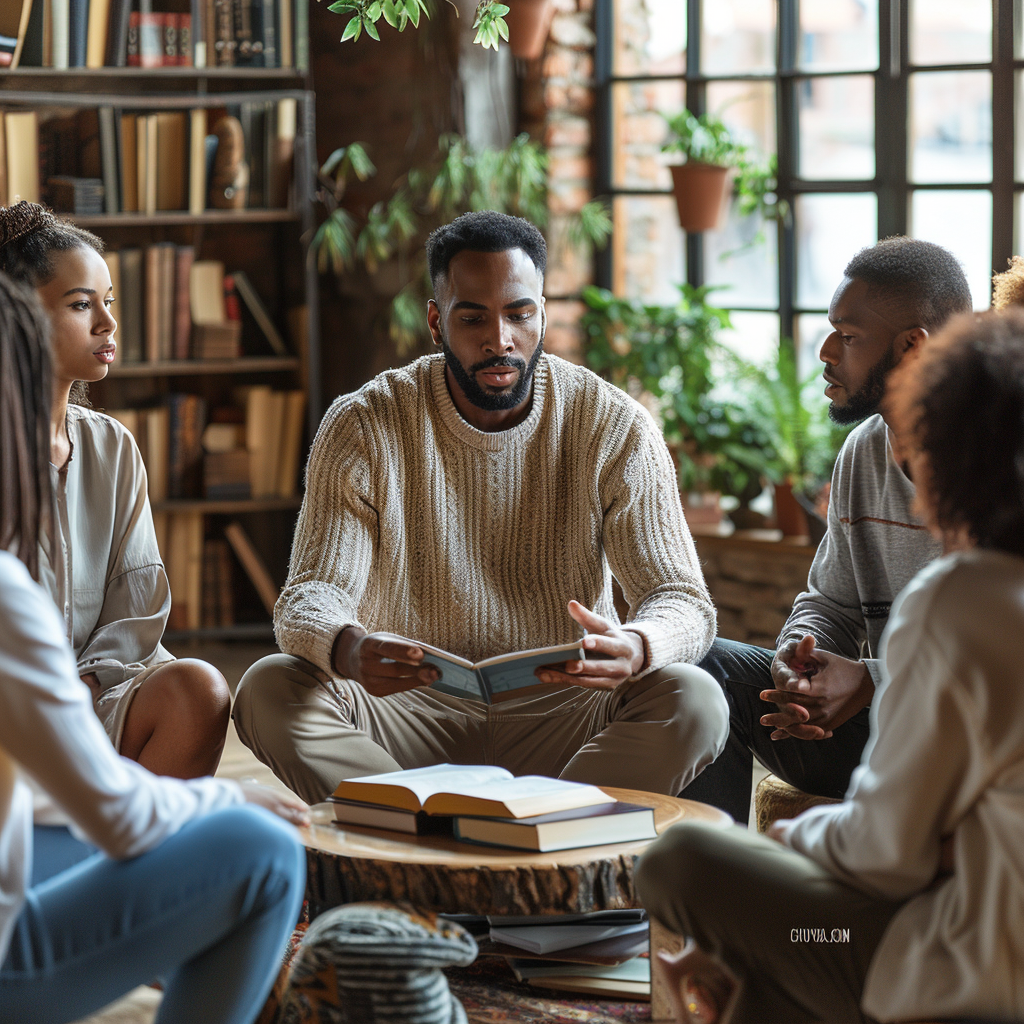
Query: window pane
[
  {"x": 951, "y": 126},
  {"x": 838, "y": 35},
  {"x": 650, "y": 37},
  {"x": 829, "y": 230},
  {"x": 950, "y": 31},
  {"x": 734, "y": 256},
  {"x": 748, "y": 108},
  {"x": 837, "y": 128},
  {"x": 962, "y": 222},
  {"x": 737, "y": 36},
  {"x": 639, "y": 130},
  {"x": 648, "y": 253},
  {"x": 754, "y": 336},
  {"x": 811, "y": 330}
]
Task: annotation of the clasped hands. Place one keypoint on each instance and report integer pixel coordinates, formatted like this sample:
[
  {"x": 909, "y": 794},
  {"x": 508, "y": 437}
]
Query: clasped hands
[
  {"x": 383, "y": 665},
  {"x": 816, "y": 691}
]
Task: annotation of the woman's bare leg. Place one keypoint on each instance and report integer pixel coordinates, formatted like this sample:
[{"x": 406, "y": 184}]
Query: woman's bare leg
[{"x": 178, "y": 720}]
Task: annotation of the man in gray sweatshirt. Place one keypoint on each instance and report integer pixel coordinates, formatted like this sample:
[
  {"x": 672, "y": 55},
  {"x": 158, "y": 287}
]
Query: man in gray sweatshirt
[{"x": 822, "y": 676}]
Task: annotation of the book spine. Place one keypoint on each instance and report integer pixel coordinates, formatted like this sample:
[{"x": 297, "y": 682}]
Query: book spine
[
  {"x": 151, "y": 40},
  {"x": 269, "y": 26},
  {"x": 169, "y": 35},
  {"x": 78, "y": 30},
  {"x": 108, "y": 161},
  {"x": 185, "y": 45},
  {"x": 224, "y": 38},
  {"x": 60, "y": 33},
  {"x": 117, "y": 40},
  {"x": 181, "y": 345},
  {"x": 198, "y": 23},
  {"x": 133, "y": 57},
  {"x": 241, "y": 11}
]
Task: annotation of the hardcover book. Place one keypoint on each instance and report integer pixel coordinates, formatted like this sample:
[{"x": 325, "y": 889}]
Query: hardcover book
[{"x": 469, "y": 789}]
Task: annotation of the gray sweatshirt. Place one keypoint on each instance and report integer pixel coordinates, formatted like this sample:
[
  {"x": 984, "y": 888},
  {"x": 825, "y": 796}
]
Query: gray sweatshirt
[{"x": 874, "y": 546}]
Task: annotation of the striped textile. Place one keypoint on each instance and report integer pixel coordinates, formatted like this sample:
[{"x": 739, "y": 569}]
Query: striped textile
[{"x": 376, "y": 963}]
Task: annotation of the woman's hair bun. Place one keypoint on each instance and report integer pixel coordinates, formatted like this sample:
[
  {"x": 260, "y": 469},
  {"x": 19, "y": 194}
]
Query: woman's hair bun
[{"x": 22, "y": 219}]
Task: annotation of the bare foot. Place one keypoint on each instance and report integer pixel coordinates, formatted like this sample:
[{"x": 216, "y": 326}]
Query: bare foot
[{"x": 698, "y": 987}]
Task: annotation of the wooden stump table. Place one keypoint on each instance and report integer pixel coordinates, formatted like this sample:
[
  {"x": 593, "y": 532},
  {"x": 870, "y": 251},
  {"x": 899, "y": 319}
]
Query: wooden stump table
[{"x": 347, "y": 864}]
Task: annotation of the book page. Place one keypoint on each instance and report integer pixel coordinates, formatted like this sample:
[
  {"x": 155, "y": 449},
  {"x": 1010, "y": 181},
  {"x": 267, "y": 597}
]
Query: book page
[
  {"x": 514, "y": 798},
  {"x": 515, "y": 671},
  {"x": 421, "y": 783}
]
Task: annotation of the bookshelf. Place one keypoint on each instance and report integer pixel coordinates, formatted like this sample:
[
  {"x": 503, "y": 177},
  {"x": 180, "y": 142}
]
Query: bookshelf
[{"x": 216, "y": 594}]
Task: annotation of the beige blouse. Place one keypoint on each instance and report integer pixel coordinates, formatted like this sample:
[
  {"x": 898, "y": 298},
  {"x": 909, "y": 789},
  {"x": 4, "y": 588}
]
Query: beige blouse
[{"x": 105, "y": 574}]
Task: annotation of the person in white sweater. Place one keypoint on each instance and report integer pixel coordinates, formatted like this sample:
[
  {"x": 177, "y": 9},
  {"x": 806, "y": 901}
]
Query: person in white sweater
[
  {"x": 195, "y": 882},
  {"x": 481, "y": 500},
  {"x": 906, "y": 900}
]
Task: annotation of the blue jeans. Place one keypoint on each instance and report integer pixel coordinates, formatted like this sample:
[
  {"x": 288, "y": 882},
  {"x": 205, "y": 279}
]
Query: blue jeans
[
  {"x": 209, "y": 911},
  {"x": 821, "y": 767}
]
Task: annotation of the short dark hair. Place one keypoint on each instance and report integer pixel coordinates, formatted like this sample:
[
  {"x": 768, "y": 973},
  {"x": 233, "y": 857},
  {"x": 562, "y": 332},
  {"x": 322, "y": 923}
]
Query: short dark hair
[
  {"x": 961, "y": 404},
  {"x": 483, "y": 231},
  {"x": 922, "y": 277}
]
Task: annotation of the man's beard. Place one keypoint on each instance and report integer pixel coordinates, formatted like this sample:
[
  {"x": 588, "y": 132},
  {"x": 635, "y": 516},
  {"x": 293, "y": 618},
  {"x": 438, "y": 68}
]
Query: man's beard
[
  {"x": 466, "y": 379},
  {"x": 867, "y": 399}
]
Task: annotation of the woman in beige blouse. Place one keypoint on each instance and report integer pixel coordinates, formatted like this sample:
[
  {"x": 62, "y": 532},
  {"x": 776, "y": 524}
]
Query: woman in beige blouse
[{"x": 103, "y": 568}]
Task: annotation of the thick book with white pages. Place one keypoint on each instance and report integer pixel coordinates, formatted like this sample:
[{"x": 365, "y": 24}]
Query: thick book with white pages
[
  {"x": 552, "y": 938},
  {"x": 494, "y": 679},
  {"x": 615, "y": 822},
  {"x": 469, "y": 789}
]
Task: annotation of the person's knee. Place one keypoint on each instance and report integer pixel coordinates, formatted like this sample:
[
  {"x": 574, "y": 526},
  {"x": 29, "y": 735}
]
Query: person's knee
[
  {"x": 267, "y": 695},
  {"x": 675, "y": 867},
  {"x": 191, "y": 692},
  {"x": 703, "y": 712}
]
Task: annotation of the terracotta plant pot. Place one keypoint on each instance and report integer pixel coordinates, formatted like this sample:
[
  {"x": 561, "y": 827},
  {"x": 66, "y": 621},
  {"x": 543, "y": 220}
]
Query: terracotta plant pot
[
  {"x": 528, "y": 23},
  {"x": 700, "y": 194},
  {"x": 790, "y": 518}
]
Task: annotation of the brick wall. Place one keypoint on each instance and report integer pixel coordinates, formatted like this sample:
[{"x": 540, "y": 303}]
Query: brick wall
[{"x": 753, "y": 583}]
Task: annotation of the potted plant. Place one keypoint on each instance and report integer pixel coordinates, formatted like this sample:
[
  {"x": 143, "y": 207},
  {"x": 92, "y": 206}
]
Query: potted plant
[
  {"x": 700, "y": 184},
  {"x": 666, "y": 356},
  {"x": 391, "y": 234},
  {"x": 803, "y": 441}
]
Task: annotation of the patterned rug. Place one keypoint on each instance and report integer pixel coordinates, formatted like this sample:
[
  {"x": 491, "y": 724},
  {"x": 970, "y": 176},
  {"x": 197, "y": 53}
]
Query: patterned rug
[{"x": 491, "y": 995}]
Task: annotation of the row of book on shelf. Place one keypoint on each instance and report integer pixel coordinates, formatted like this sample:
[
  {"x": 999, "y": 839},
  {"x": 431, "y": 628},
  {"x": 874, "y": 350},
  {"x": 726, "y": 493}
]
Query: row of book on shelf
[
  {"x": 107, "y": 160},
  {"x": 202, "y": 570},
  {"x": 118, "y": 33},
  {"x": 171, "y": 306},
  {"x": 251, "y": 450},
  {"x": 486, "y": 805}
]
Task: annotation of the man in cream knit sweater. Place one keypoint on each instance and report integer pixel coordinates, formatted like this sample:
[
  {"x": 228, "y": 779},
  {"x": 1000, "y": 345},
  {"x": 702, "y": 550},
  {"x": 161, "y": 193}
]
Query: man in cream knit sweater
[{"x": 480, "y": 500}]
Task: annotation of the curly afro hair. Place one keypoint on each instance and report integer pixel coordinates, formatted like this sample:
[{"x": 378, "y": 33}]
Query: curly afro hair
[{"x": 1008, "y": 287}]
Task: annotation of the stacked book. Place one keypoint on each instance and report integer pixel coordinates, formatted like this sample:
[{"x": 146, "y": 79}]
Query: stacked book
[
  {"x": 603, "y": 953},
  {"x": 484, "y": 804}
]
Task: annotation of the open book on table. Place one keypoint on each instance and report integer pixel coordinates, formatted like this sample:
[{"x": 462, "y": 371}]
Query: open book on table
[
  {"x": 494, "y": 679},
  {"x": 467, "y": 789}
]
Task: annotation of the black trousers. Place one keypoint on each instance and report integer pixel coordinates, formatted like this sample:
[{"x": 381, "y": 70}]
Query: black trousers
[{"x": 821, "y": 767}]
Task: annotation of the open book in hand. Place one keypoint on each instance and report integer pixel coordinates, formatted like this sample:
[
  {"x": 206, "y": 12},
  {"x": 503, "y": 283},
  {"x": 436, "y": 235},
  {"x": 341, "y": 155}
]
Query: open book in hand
[
  {"x": 469, "y": 789},
  {"x": 493, "y": 679}
]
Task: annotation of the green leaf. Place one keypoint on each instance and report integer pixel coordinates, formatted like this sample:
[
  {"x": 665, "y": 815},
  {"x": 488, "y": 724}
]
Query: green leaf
[
  {"x": 499, "y": 9},
  {"x": 413, "y": 10},
  {"x": 373, "y": 12},
  {"x": 371, "y": 29},
  {"x": 390, "y": 13},
  {"x": 352, "y": 29},
  {"x": 342, "y": 5},
  {"x": 502, "y": 28}
]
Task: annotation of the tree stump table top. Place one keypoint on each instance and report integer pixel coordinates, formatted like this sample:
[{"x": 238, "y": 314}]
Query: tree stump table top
[{"x": 348, "y": 864}]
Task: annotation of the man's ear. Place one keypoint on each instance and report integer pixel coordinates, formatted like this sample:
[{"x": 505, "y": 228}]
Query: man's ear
[
  {"x": 911, "y": 340},
  {"x": 434, "y": 321}
]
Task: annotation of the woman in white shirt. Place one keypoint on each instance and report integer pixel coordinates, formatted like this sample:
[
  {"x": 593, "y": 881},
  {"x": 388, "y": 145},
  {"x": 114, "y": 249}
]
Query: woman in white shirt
[
  {"x": 194, "y": 885},
  {"x": 906, "y": 900},
  {"x": 103, "y": 569}
]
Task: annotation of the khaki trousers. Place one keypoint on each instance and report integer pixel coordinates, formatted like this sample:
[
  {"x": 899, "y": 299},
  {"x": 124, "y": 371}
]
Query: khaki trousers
[
  {"x": 653, "y": 734},
  {"x": 799, "y": 941}
]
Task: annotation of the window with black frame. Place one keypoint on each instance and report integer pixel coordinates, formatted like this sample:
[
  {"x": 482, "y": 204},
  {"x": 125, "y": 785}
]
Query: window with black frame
[{"x": 879, "y": 112}]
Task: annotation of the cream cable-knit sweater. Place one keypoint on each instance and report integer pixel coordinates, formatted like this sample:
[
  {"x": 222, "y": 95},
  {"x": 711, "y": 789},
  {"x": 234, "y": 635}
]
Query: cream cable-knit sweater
[{"x": 415, "y": 522}]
